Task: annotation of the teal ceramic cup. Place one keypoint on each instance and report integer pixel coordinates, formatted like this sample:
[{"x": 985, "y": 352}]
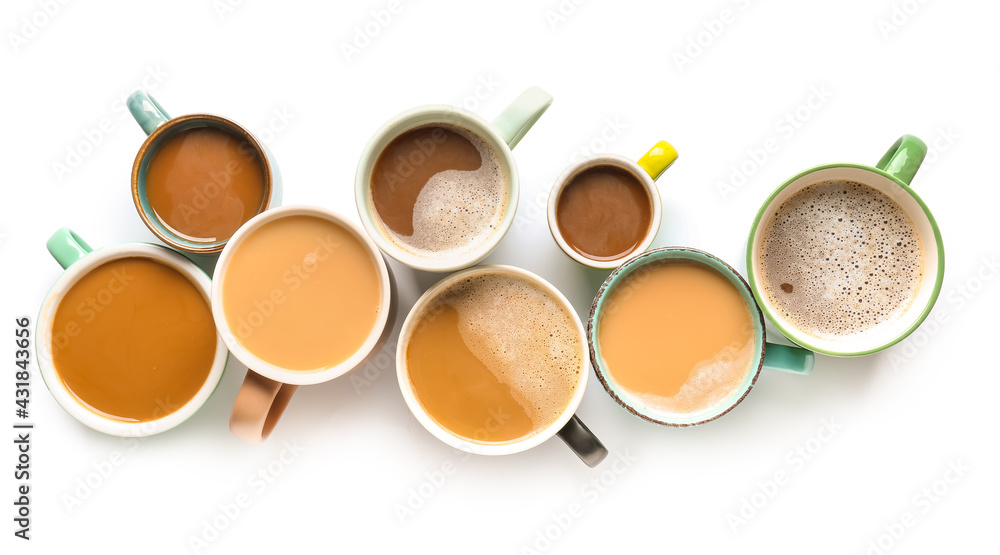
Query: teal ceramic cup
[
  {"x": 160, "y": 127},
  {"x": 765, "y": 355},
  {"x": 78, "y": 259},
  {"x": 891, "y": 177}
]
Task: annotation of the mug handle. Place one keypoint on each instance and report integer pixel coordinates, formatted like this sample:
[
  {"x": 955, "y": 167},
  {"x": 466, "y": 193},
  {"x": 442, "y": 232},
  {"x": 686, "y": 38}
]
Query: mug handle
[
  {"x": 903, "y": 158},
  {"x": 67, "y": 247},
  {"x": 658, "y": 159},
  {"x": 258, "y": 407},
  {"x": 147, "y": 111},
  {"x": 583, "y": 442},
  {"x": 515, "y": 121},
  {"x": 785, "y": 358}
]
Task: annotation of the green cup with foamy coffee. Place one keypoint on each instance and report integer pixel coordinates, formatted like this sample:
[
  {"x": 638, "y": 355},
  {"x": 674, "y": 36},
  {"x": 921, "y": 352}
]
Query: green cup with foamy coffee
[{"x": 845, "y": 259}]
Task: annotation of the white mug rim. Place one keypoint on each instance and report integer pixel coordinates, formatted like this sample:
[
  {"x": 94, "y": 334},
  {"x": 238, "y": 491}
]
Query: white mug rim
[
  {"x": 592, "y": 161},
  {"x": 268, "y": 369},
  {"x": 43, "y": 332},
  {"x": 431, "y": 113},
  {"x": 471, "y": 445}
]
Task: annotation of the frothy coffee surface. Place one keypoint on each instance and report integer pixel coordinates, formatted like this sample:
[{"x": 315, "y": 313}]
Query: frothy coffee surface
[
  {"x": 839, "y": 259},
  {"x": 494, "y": 358},
  {"x": 439, "y": 191}
]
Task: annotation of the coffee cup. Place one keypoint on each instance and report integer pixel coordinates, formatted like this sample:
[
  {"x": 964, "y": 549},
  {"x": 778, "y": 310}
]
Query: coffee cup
[
  {"x": 125, "y": 339},
  {"x": 430, "y": 218},
  {"x": 846, "y": 259},
  {"x": 301, "y": 296},
  {"x": 681, "y": 349},
  {"x": 605, "y": 208},
  {"x": 198, "y": 177},
  {"x": 514, "y": 372}
]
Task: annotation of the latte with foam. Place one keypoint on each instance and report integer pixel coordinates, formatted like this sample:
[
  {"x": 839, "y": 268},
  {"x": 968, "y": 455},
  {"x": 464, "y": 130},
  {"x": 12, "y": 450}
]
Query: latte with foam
[
  {"x": 494, "y": 358},
  {"x": 439, "y": 191},
  {"x": 839, "y": 260}
]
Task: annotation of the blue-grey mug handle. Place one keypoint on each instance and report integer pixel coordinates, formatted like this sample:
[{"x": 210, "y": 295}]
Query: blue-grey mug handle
[{"x": 147, "y": 111}]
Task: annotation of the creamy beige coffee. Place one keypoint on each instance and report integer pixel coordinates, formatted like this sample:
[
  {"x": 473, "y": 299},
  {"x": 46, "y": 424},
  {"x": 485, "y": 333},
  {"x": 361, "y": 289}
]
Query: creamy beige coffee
[
  {"x": 839, "y": 259},
  {"x": 439, "y": 191},
  {"x": 494, "y": 358}
]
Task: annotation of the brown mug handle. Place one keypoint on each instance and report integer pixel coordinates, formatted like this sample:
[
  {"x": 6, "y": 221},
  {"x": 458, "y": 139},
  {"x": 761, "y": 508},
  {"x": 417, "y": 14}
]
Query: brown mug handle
[{"x": 258, "y": 407}]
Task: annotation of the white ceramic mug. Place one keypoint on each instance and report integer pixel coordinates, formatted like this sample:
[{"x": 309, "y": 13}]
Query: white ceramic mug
[
  {"x": 268, "y": 388},
  {"x": 78, "y": 259},
  {"x": 647, "y": 170},
  {"x": 568, "y": 426},
  {"x": 501, "y": 135}
]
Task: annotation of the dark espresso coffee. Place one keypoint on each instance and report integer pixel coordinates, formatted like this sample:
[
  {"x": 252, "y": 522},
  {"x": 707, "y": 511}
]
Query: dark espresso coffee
[
  {"x": 438, "y": 190},
  {"x": 604, "y": 212},
  {"x": 840, "y": 259}
]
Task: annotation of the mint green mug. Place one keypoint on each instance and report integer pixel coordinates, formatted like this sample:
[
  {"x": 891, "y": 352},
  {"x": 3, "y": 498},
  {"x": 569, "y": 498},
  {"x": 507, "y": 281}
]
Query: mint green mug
[
  {"x": 766, "y": 355},
  {"x": 891, "y": 177}
]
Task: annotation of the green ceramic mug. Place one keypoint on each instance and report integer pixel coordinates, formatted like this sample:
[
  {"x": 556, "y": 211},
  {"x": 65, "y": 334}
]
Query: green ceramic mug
[
  {"x": 765, "y": 355},
  {"x": 891, "y": 177}
]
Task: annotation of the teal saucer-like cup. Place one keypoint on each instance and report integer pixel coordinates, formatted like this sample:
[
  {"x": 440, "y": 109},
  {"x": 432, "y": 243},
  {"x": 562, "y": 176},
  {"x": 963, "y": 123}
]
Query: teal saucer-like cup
[{"x": 766, "y": 355}]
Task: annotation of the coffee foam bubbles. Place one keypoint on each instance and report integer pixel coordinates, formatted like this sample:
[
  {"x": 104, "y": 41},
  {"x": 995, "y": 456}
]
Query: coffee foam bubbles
[
  {"x": 457, "y": 211},
  {"x": 524, "y": 337},
  {"x": 840, "y": 260},
  {"x": 709, "y": 383}
]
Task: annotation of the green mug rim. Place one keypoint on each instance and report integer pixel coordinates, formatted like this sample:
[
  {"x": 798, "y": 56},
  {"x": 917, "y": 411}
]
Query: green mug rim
[{"x": 794, "y": 337}]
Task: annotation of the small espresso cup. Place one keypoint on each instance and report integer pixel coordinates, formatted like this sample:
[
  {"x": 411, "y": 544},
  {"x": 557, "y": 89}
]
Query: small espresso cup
[
  {"x": 268, "y": 387},
  {"x": 646, "y": 171},
  {"x": 765, "y": 355},
  {"x": 160, "y": 128},
  {"x": 567, "y": 426},
  {"x": 78, "y": 260},
  {"x": 500, "y": 136},
  {"x": 891, "y": 177}
]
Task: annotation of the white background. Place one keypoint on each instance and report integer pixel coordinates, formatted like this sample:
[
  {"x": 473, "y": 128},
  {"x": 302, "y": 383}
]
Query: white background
[{"x": 901, "y": 417}]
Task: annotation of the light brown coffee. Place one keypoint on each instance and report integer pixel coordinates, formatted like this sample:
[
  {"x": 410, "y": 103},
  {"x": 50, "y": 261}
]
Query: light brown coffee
[
  {"x": 204, "y": 183},
  {"x": 677, "y": 335},
  {"x": 133, "y": 340},
  {"x": 604, "y": 212},
  {"x": 439, "y": 190},
  {"x": 301, "y": 292},
  {"x": 840, "y": 259},
  {"x": 494, "y": 358}
]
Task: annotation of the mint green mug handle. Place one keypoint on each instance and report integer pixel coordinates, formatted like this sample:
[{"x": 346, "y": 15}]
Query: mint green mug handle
[
  {"x": 903, "y": 158},
  {"x": 147, "y": 111},
  {"x": 67, "y": 247},
  {"x": 784, "y": 358},
  {"x": 515, "y": 121}
]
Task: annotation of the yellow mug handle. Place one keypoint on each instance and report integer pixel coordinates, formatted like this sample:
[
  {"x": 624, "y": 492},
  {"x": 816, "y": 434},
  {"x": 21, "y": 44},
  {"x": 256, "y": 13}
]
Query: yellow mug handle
[{"x": 658, "y": 159}]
